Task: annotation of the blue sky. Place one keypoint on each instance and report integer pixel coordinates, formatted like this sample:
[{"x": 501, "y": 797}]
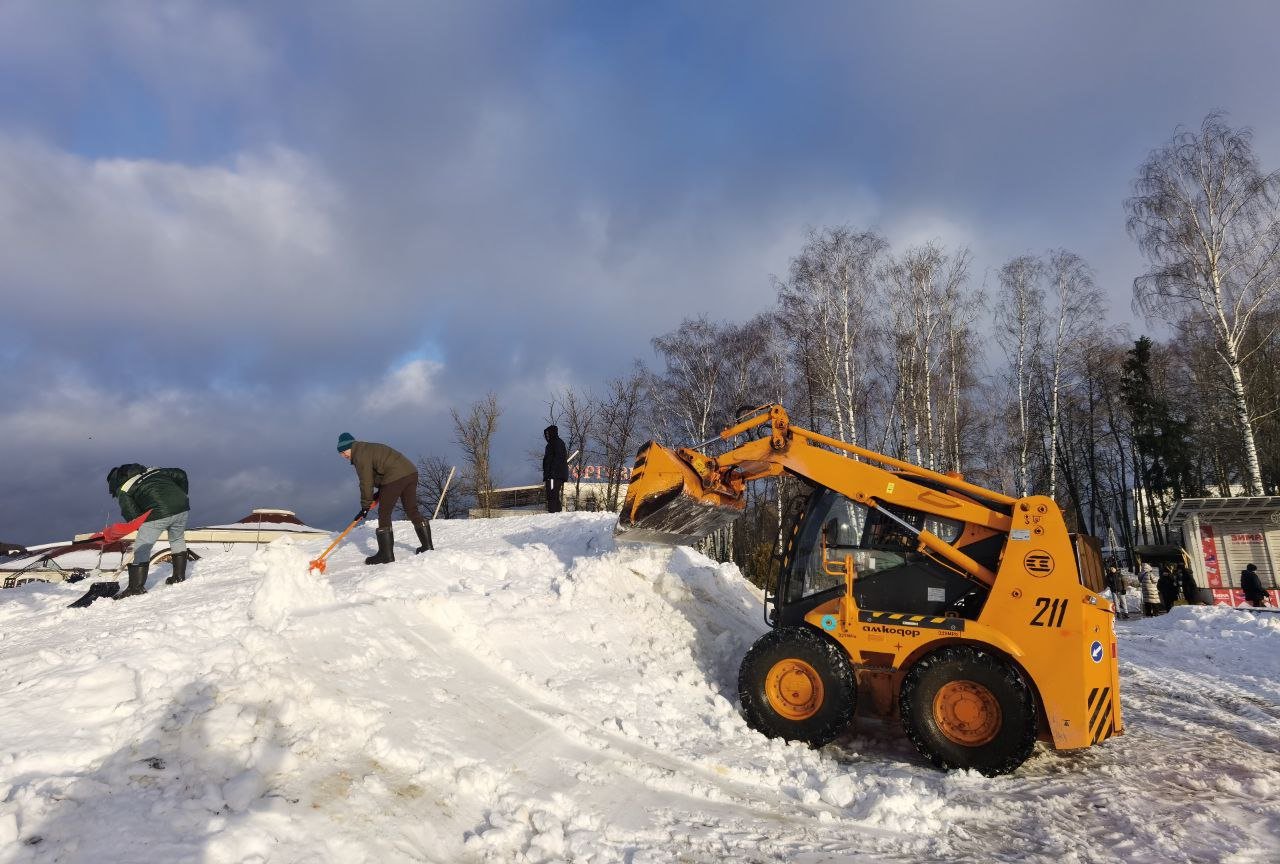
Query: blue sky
[{"x": 234, "y": 230}]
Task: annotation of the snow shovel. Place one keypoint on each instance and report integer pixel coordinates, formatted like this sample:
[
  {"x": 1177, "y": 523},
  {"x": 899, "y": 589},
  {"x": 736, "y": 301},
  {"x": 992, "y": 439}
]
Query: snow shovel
[
  {"x": 318, "y": 564},
  {"x": 110, "y": 534},
  {"x": 96, "y": 591},
  {"x": 118, "y": 531}
]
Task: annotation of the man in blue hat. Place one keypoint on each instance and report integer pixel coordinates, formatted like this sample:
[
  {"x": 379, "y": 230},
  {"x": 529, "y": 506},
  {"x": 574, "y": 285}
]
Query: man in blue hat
[{"x": 386, "y": 476}]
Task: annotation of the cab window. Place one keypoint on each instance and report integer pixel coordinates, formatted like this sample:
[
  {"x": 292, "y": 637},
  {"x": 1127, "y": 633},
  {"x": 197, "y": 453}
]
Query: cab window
[
  {"x": 891, "y": 573},
  {"x": 844, "y": 523}
]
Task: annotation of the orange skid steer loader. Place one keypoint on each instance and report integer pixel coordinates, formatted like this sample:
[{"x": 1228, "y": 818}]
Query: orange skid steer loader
[{"x": 972, "y": 616}]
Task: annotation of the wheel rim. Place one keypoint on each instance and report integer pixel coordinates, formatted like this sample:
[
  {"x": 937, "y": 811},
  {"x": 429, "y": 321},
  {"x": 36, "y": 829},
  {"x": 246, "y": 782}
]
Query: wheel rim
[
  {"x": 967, "y": 713},
  {"x": 794, "y": 689}
]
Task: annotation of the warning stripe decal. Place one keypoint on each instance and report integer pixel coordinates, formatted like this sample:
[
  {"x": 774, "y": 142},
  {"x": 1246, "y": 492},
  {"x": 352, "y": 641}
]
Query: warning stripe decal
[
  {"x": 1100, "y": 734},
  {"x": 903, "y": 620},
  {"x": 1101, "y": 721}
]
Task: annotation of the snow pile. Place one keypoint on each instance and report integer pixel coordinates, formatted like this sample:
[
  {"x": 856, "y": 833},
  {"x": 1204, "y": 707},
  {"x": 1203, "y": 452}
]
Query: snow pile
[
  {"x": 531, "y": 693},
  {"x": 288, "y": 585}
]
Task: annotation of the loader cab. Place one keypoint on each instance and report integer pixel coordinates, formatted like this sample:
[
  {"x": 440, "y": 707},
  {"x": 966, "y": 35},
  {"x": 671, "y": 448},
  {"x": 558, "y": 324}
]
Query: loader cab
[{"x": 891, "y": 576}]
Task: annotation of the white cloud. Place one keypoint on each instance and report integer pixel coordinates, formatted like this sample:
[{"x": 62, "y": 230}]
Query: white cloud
[
  {"x": 179, "y": 47},
  {"x": 100, "y": 248},
  {"x": 411, "y": 385}
]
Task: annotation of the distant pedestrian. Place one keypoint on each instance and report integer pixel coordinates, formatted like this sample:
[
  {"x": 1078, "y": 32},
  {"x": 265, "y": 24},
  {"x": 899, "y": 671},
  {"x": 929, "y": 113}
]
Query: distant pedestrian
[
  {"x": 1189, "y": 589},
  {"x": 555, "y": 468},
  {"x": 161, "y": 493},
  {"x": 1167, "y": 587},
  {"x": 1251, "y": 584},
  {"x": 1115, "y": 583},
  {"x": 386, "y": 476},
  {"x": 1147, "y": 581}
]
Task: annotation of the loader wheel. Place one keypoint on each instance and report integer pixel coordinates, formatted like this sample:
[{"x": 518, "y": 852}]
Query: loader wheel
[
  {"x": 798, "y": 685},
  {"x": 966, "y": 708}
]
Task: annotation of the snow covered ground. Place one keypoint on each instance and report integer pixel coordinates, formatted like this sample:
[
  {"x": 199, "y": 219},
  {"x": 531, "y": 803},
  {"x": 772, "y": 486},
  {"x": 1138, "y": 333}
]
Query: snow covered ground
[{"x": 529, "y": 692}]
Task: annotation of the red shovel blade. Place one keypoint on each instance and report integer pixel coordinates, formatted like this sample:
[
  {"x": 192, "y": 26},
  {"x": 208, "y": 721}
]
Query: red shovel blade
[{"x": 112, "y": 533}]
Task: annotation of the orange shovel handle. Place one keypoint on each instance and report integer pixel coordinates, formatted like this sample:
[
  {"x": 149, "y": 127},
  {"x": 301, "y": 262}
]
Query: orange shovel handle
[{"x": 318, "y": 564}]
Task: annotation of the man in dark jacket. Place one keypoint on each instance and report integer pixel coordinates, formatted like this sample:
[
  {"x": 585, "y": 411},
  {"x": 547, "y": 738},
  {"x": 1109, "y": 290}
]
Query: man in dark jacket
[
  {"x": 1251, "y": 584},
  {"x": 161, "y": 494},
  {"x": 385, "y": 476},
  {"x": 1167, "y": 586},
  {"x": 1115, "y": 582},
  {"x": 1189, "y": 590},
  {"x": 555, "y": 468}
]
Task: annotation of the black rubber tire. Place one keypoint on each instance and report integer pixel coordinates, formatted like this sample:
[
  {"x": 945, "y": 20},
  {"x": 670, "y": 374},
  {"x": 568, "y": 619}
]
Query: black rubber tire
[
  {"x": 832, "y": 716},
  {"x": 1015, "y": 737}
]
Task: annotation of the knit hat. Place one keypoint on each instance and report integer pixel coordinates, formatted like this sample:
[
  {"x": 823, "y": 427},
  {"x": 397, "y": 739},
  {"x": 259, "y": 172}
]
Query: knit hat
[{"x": 345, "y": 440}]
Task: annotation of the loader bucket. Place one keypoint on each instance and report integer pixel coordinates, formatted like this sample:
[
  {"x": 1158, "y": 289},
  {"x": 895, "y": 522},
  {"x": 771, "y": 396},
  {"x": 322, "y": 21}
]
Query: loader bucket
[{"x": 667, "y": 503}]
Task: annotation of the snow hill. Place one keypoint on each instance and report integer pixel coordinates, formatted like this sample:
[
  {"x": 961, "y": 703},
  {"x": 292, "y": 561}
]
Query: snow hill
[{"x": 530, "y": 693}]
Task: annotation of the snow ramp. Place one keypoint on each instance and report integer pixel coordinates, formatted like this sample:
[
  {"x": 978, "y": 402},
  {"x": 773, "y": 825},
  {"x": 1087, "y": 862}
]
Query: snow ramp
[{"x": 526, "y": 693}]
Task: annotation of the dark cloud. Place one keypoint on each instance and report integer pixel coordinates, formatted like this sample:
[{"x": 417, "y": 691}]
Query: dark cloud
[{"x": 233, "y": 231}]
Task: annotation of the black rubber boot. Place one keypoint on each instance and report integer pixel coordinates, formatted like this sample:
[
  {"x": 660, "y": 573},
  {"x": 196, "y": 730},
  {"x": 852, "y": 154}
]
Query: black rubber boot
[
  {"x": 385, "y": 553},
  {"x": 179, "y": 561},
  {"x": 424, "y": 536},
  {"x": 137, "y": 581}
]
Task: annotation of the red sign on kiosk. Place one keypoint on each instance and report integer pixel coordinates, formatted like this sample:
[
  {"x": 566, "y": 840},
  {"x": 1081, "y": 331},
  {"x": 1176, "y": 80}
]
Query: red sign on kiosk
[{"x": 1211, "y": 572}]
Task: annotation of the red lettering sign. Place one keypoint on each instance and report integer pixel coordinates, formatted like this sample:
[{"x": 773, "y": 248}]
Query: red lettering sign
[
  {"x": 1211, "y": 572},
  {"x": 598, "y": 473}
]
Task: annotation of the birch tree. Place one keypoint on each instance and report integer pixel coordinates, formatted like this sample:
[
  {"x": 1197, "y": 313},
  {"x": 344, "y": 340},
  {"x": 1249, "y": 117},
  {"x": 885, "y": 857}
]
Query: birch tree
[
  {"x": 1208, "y": 220},
  {"x": 925, "y": 290},
  {"x": 962, "y": 310},
  {"x": 689, "y": 387},
  {"x": 1019, "y": 322},
  {"x": 1078, "y": 308},
  {"x": 829, "y": 305},
  {"x": 778, "y": 382}
]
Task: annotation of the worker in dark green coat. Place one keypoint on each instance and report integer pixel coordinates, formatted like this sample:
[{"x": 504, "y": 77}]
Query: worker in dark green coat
[
  {"x": 160, "y": 493},
  {"x": 386, "y": 476}
]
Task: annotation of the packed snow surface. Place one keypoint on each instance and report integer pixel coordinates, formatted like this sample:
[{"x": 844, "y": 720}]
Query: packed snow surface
[{"x": 532, "y": 693}]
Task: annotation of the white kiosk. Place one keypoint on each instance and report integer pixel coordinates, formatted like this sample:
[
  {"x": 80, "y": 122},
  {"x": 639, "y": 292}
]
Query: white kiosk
[{"x": 1222, "y": 535}]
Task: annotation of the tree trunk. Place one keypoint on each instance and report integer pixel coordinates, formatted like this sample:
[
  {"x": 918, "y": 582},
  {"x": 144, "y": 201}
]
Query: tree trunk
[
  {"x": 1023, "y": 481},
  {"x": 1241, "y": 407}
]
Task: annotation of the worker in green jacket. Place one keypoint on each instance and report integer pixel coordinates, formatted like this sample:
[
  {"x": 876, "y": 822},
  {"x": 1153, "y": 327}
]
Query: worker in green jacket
[
  {"x": 386, "y": 476},
  {"x": 161, "y": 493}
]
